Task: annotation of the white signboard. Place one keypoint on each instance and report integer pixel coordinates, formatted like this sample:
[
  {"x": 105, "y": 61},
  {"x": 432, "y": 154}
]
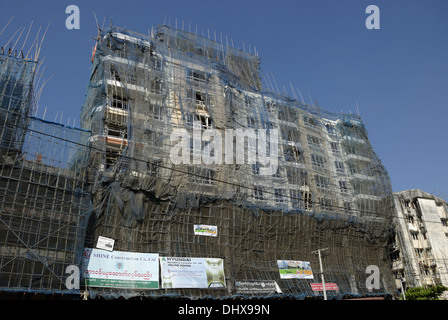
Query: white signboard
[
  {"x": 118, "y": 269},
  {"x": 105, "y": 243},
  {"x": 192, "y": 272}
]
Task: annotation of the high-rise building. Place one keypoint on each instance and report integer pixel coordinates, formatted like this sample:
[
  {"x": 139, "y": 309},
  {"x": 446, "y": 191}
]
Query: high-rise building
[
  {"x": 420, "y": 255},
  {"x": 183, "y": 133}
]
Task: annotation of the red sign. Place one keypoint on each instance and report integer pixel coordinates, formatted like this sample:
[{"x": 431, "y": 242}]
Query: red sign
[{"x": 328, "y": 286}]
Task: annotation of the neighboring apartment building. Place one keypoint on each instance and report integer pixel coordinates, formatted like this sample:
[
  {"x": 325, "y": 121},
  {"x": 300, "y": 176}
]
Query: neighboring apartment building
[{"x": 420, "y": 253}]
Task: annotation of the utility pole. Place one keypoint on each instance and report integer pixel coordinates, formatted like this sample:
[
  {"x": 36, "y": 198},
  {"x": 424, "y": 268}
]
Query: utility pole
[
  {"x": 402, "y": 288},
  {"x": 321, "y": 270}
]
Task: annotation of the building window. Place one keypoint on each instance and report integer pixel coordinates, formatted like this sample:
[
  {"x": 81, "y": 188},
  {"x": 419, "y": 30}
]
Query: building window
[
  {"x": 349, "y": 149},
  {"x": 296, "y": 176},
  {"x": 294, "y": 198},
  {"x": 339, "y": 166},
  {"x": 156, "y": 86},
  {"x": 196, "y": 75},
  {"x": 271, "y": 106},
  {"x": 347, "y": 206},
  {"x": 114, "y": 73},
  {"x": 201, "y": 175},
  {"x": 314, "y": 141},
  {"x": 155, "y": 111},
  {"x": 310, "y": 121},
  {"x": 325, "y": 204},
  {"x": 330, "y": 129},
  {"x": 256, "y": 168},
  {"x": 322, "y": 182},
  {"x": 250, "y": 122},
  {"x": 334, "y": 147},
  {"x": 305, "y": 196},
  {"x": 258, "y": 193},
  {"x": 119, "y": 102},
  {"x": 418, "y": 252},
  {"x": 444, "y": 222},
  {"x": 249, "y": 101},
  {"x": 343, "y": 186},
  {"x": 317, "y": 161},
  {"x": 157, "y": 63},
  {"x": 206, "y": 121},
  {"x": 279, "y": 195},
  {"x": 414, "y": 235},
  {"x": 409, "y": 218},
  {"x": 291, "y": 153},
  {"x": 155, "y": 139}
]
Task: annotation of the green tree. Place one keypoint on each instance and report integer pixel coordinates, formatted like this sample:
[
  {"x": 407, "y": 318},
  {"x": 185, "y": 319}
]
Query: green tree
[{"x": 422, "y": 293}]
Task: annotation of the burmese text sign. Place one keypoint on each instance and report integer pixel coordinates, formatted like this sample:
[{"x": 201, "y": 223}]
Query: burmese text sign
[{"x": 118, "y": 269}]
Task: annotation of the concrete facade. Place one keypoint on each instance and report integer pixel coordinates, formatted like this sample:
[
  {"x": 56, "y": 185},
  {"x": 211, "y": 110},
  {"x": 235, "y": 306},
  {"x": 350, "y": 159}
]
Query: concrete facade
[{"x": 420, "y": 250}]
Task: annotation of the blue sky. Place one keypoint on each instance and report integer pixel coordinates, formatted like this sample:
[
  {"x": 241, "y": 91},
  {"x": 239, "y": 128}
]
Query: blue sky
[{"x": 397, "y": 75}]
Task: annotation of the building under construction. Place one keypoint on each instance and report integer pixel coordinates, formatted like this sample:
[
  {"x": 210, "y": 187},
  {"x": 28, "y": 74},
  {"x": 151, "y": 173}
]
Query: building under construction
[{"x": 185, "y": 156}]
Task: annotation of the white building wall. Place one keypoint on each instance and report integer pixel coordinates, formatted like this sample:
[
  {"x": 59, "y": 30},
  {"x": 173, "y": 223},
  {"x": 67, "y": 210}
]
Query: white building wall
[
  {"x": 436, "y": 234},
  {"x": 421, "y": 238}
]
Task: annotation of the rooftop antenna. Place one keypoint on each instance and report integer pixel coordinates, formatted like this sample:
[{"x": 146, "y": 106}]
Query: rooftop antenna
[{"x": 357, "y": 109}]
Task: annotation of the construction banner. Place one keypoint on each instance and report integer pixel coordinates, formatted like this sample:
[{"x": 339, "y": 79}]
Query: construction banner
[
  {"x": 291, "y": 269},
  {"x": 117, "y": 269},
  {"x": 192, "y": 272}
]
